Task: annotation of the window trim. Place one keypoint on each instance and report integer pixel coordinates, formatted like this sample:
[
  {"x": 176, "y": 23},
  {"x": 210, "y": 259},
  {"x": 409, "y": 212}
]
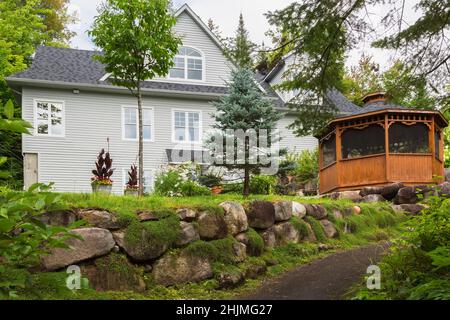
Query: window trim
[
  {"x": 125, "y": 176},
  {"x": 186, "y": 79},
  {"x": 200, "y": 127},
  {"x": 63, "y": 119},
  {"x": 152, "y": 123}
]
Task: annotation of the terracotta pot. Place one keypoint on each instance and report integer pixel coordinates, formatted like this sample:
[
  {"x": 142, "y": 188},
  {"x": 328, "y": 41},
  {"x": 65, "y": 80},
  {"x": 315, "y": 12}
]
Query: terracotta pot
[
  {"x": 216, "y": 190},
  {"x": 102, "y": 188}
]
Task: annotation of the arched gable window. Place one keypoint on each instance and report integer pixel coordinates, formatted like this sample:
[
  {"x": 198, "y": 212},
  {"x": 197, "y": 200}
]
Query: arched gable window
[{"x": 188, "y": 65}]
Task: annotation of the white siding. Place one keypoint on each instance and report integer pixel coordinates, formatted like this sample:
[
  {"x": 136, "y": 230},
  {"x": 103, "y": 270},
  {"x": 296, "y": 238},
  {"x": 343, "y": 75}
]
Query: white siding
[
  {"x": 90, "y": 119},
  {"x": 280, "y": 78},
  {"x": 217, "y": 66},
  {"x": 292, "y": 142}
]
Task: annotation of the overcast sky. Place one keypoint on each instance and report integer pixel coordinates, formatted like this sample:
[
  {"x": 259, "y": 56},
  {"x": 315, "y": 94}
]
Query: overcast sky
[{"x": 225, "y": 14}]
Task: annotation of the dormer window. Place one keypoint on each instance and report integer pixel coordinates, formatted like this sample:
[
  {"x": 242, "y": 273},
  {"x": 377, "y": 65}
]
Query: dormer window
[{"x": 188, "y": 65}]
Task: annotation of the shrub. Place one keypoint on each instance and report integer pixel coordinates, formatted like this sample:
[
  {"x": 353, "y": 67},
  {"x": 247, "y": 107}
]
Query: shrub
[
  {"x": 103, "y": 169},
  {"x": 304, "y": 166},
  {"x": 133, "y": 178},
  {"x": 262, "y": 184},
  {"x": 168, "y": 184},
  {"x": 220, "y": 251},
  {"x": 210, "y": 180},
  {"x": 192, "y": 188}
]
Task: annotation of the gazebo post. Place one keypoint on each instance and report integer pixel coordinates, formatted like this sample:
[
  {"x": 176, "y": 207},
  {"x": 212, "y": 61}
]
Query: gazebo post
[
  {"x": 338, "y": 153},
  {"x": 386, "y": 143},
  {"x": 431, "y": 140}
]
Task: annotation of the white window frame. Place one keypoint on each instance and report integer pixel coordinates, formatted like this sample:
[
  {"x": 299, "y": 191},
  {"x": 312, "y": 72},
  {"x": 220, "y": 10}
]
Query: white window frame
[
  {"x": 63, "y": 118},
  {"x": 152, "y": 123},
  {"x": 185, "y": 57},
  {"x": 125, "y": 179},
  {"x": 200, "y": 126}
]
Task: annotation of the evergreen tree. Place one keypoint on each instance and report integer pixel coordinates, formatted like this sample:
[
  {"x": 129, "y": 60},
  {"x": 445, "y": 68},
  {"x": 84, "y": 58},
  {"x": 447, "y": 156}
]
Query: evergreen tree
[
  {"x": 242, "y": 48},
  {"x": 245, "y": 108}
]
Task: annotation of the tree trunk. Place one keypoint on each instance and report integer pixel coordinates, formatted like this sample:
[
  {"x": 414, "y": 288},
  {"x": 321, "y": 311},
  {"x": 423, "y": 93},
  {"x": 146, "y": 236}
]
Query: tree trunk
[
  {"x": 246, "y": 182},
  {"x": 141, "y": 143}
]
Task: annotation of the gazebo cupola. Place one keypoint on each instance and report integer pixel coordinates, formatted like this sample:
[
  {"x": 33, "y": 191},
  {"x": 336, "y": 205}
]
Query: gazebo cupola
[{"x": 380, "y": 144}]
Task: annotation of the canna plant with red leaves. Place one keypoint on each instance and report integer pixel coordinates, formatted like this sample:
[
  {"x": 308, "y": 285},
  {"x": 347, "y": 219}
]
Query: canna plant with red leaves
[
  {"x": 132, "y": 183},
  {"x": 103, "y": 171}
]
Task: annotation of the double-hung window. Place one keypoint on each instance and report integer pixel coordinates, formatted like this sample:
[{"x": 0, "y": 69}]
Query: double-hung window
[
  {"x": 187, "y": 126},
  {"x": 49, "y": 118},
  {"x": 130, "y": 123},
  {"x": 188, "y": 65}
]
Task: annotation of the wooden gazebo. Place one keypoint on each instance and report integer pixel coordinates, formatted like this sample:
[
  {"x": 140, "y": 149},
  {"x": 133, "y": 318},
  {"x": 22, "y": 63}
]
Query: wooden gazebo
[{"x": 381, "y": 144}]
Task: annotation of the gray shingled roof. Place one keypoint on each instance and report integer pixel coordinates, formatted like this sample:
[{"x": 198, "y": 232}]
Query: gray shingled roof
[
  {"x": 378, "y": 106},
  {"x": 344, "y": 106},
  {"x": 78, "y": 66}
]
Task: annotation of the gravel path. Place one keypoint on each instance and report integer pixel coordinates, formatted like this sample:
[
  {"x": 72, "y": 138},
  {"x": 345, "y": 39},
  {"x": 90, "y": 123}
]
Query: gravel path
[{"x": 328, "y": 278}]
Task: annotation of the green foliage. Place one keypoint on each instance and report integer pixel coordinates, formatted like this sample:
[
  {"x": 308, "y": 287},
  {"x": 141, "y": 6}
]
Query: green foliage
[
  {"x": 418, "y": 266},
  {"x": 242, "y": 109},
  {"x": 317, "y": 228},
  {"x": 168, "y": 184},
  {"x": 402, "y": 87},
  {"x": 241, "y": 47},
  {"x": 191, "y": 189},
  {"x": 171, "y": 184},
  {"x": 23, "y": 237},
  {"x": 304, "y": 166},
  {"x": 261, "y": 184},
  {"x": 136, "y": 39}
]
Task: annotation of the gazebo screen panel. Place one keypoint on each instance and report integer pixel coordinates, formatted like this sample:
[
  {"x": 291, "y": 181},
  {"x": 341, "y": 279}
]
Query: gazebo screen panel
[
  {"x": 437, "y": 140},
  {"x": 329, "y": 151},
  {"x": 408, "y": 138},
  {"x": 363, "y": 142}
]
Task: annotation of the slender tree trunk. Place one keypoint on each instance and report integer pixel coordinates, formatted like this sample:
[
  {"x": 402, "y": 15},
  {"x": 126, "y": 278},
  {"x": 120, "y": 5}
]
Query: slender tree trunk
[
  {"x": 141, "y": 143},
  {"x": 246, "y": 182}
]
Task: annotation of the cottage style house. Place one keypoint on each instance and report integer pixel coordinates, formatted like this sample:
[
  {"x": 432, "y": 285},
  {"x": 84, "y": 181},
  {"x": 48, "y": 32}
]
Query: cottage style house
[{"x": 73, "y": 107}]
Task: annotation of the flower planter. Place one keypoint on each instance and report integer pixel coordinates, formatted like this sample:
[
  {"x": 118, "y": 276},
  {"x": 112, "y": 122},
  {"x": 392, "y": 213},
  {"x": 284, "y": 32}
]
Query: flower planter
[
  {"x": 217, "y": 190},
  {"x": 131, "y": 192},
  {"x": 102, "y": 188}
]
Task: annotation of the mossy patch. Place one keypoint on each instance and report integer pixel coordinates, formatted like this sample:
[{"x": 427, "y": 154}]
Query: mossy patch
[
  {"x": 317, "y": 228},
  {"x": 255, "y": 242},
  {"x": 300, "y": 226},
  {"x": 215, "y": 251},
  {"x": 154, "y": 233}
]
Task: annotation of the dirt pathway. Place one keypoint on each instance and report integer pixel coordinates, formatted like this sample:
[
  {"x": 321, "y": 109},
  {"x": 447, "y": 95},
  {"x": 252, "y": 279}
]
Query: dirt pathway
[{"x": 328, "y": 278}]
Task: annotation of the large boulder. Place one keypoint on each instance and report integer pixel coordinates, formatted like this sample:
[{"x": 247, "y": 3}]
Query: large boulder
[
  {"x": 412, "y": 194},
  {"x": 99, "y": 218},
  {"x": 230, "y": 280},
  {"x": 141, "y": 249},
  {"x": 146, "y": 216},
  {"x": 286, "y": 233},
  {"x": 187, "y": 234},
  {"x": 315, "y": 210},
  {"x": 284, "y": 210},
  {"x": 373, "y": 198},
  {"x": 329, "y": 228},
  {"x": 409, "y": 208},
  {"x": 350, "y": 195},
  {"x": 261, "y": 215},
  {"x": 337, "y": 214},
  {"x": 181, "y": 268},
  {"x": 211, "y": 226},
  {"x": 443, "y": 189},
  {"x": 388, "y": 192},
  {"x": 235, "y": 217},
  {"x": 253, "y": 271},
  {"x": 269, "y": 238},
  {"x": 239, "y": 251},
  {"x": 114, "y": 273},
  {"x": 94, "y": 242},
  {"x": 186, "y": 214},
  {"x": 58, "y": 218}
]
